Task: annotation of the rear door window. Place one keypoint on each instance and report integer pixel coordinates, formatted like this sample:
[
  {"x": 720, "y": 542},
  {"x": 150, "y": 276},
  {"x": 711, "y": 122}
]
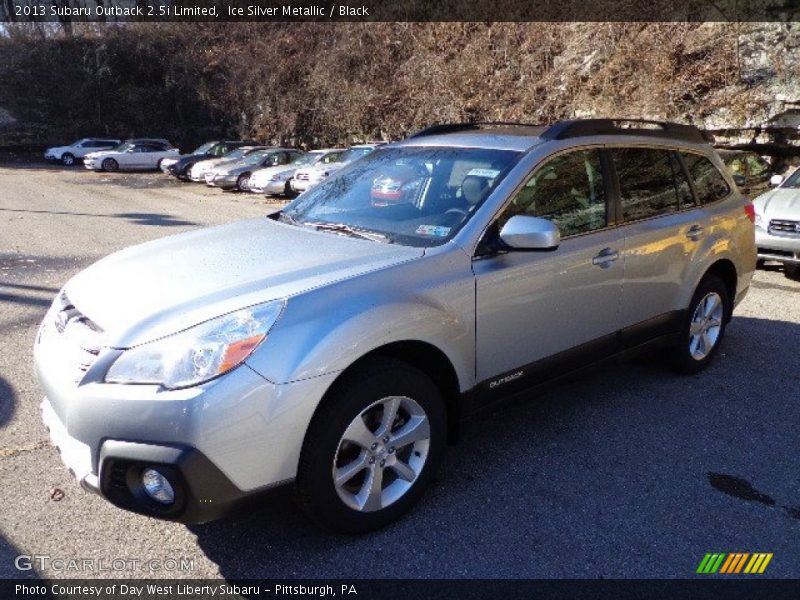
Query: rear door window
[
  {"x": 651, "y": 182},
  {"x": 708, "y": 181}
]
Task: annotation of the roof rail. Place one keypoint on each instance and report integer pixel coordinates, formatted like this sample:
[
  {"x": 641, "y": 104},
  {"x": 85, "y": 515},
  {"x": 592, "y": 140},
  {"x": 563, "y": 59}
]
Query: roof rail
[
  {"x": 455, "y": 127},
  {"x": 641, "y": 127}
]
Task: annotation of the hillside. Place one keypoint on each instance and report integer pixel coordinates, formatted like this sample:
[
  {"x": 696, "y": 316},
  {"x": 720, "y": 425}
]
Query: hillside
[{"x": 325, "y": 83}]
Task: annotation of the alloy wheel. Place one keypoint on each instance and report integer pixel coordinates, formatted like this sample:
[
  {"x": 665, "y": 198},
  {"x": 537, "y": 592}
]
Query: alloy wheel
[
  {"x": 381, "y": 454},
  {"x": 705, "y": 326}
]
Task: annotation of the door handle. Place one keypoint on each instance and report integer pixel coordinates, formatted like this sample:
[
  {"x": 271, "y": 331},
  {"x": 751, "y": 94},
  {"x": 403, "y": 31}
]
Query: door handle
[
  {"x": 695, "y": 232},
  {"x": 605, "y": 258}
]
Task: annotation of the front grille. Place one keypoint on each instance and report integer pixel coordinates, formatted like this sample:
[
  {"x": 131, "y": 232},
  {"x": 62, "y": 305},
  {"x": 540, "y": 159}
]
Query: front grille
[
  {"x": 782, "y": 227},
  {"x": 79, "y": 339},
  {"x": 301, "y": 176}
]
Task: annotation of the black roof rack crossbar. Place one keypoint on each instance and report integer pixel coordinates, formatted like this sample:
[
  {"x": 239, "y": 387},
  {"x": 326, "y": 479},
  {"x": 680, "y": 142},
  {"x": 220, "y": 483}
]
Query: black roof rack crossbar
[
  {"x": 455, "y": 127},
  {"x": 641, "y": 127}
]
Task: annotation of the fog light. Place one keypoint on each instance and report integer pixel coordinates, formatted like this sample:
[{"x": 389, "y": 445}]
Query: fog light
[{"x": 157, "y": 486}]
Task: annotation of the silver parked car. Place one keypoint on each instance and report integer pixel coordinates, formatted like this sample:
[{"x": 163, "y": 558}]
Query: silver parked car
[
  {"x": 778, "y": 222},
  {"x": 236, "y": 175},
  {"x": 339, "y": 343}
]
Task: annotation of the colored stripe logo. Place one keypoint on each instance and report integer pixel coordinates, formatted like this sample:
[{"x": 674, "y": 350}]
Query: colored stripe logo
[{"x": 732, "y": 563}]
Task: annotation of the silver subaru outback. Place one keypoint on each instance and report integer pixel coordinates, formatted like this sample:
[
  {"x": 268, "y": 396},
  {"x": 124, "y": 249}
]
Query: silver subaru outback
[{"x": 337, "y": 345}]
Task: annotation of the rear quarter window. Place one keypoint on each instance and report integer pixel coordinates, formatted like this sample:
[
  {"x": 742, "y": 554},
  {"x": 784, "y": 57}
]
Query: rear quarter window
[{"x": 708, "y": 181}]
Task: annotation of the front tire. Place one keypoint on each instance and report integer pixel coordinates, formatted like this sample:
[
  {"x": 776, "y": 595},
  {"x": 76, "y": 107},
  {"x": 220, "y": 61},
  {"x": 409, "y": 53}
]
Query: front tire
[
  {"x": 110, "y": 165},
  {"x": 372, "y": 447},
  {"x": 241, "y": 182},
  {"x": 704, "y": 326},
  {"x": 68, "y": 159}
]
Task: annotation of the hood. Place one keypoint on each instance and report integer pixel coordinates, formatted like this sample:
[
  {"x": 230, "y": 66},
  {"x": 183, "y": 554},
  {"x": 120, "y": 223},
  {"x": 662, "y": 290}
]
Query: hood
[
  {"x": 317, "y": 170},
  {"x": 185, "y": 159},
  {"x": 154, "y": 289},
  {"x": 780, "y": 203},
  {"x": 57, "y": 149},
  {"x": 97, "y": 153},
  {"x": 265, "y": 174},
  {"x": 232, "y": 169},
  {"x": 208, "y": 163}
]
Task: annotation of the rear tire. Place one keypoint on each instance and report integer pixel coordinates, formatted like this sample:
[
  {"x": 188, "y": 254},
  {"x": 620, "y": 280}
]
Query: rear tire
[
  {"x": 68, "y": 159},
  {"x": 372, "y": 448},
  {"x": 703, "y": 327},
  {"x": 110, "y": 165}
]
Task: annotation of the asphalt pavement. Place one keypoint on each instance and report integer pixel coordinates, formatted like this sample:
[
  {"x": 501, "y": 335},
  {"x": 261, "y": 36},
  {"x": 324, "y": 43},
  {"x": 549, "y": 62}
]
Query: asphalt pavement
[{"x": 631, "y": 471}]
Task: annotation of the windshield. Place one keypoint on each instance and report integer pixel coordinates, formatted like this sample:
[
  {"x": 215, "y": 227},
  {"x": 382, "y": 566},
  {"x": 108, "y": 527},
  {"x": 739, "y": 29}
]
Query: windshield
[
  {"x": 204, "y": 148},
  {"x": 407, "y": 195},
  {"x": 122, "y": 147},
  {"x": 236, "y": 154},
  {"x": 307, "y": 159},
  {"x": 353, "y": 153},
  {"x": 255, "y": 157},
  {"x": 793, "y": 181}
]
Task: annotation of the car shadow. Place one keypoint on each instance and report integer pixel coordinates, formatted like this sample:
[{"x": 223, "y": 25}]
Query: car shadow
[
  {"x": 7, "y": 402},
  {"x": 155, "y": 219},
  {"x": 776, "y": 267},
  {"x": 625, "y": 457},
  {"x": 8, "y": 560},
  {"x": 139, "y": 180}
]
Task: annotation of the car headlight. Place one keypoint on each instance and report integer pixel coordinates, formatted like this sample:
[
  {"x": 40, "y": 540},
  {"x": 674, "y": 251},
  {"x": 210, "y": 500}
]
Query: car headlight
[
  {"x": 759, "y": 222},
  {"x": 197, "y": 354}
]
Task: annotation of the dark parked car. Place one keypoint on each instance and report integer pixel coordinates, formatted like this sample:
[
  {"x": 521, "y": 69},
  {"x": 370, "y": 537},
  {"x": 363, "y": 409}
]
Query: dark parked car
[
  {"x": 750, "y": 171},
  {"x": 180, "y": 167}
]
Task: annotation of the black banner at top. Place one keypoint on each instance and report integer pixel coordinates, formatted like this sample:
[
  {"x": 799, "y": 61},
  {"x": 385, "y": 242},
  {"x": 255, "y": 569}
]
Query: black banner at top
[{"x": 398, "y": 10}]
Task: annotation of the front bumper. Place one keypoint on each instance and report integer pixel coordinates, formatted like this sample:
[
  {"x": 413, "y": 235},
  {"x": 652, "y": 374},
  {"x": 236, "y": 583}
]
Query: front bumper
[
  {"x": 221, "y": 442},
  {"x": 225, "y": 182},
  {"x": 202, "y": 491},
  {"x": 301, "y": 185},
  {"x": 270, "y": 188},
  {"x": 784, "y": 248}
]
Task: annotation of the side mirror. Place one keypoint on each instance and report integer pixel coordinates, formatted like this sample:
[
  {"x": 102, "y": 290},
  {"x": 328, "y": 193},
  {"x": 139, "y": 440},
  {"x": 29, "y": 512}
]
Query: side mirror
[
  {"x": 739, "y": 179},
  {"x": 530, "y": 233},
  {"x": 776, "y": 180}
]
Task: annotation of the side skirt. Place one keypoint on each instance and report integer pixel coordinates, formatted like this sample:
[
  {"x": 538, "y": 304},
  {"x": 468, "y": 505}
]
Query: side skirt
[{"x": 536, "y": 377}]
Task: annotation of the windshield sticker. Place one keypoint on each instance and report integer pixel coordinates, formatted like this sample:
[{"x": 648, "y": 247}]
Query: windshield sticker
[
  {"x": 486, "y": 173},
  {"x": 434, "y": 230}
]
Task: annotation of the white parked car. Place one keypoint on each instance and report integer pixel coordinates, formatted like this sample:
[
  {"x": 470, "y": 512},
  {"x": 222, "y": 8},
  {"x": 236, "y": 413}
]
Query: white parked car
[
  {"x": 306, "y": 178},
  {"x": 274, "y": 181},
  {"x": 68, "y": 155},
  {"x": 198, "y": 172},
  {"x": 139, "y": 154},
  {"x": 778, "y": 222}
]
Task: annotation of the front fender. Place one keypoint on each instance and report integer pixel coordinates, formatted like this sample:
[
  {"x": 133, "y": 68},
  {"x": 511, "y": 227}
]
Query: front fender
[{"x": 326, "y": 330}]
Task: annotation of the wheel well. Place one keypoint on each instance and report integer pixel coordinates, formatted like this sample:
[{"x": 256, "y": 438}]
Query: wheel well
[
  {"x": 431, "y": 361},
  {"x": 725, "y": 270}
]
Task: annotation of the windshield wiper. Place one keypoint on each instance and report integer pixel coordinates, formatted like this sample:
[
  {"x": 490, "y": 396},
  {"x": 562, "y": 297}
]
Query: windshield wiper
[{"x": 348, "y": 230}]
